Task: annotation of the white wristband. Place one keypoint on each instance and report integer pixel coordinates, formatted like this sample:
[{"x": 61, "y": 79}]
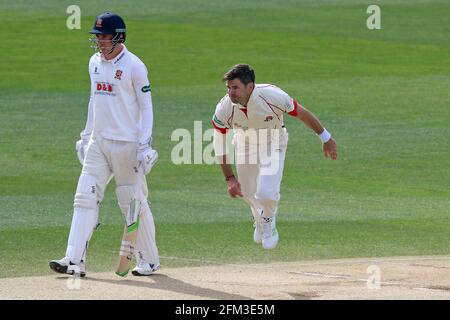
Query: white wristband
[{"x": 325, "y": 136}]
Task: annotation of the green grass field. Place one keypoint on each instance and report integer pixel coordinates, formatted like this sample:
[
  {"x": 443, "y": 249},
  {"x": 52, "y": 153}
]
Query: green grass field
[{"x": 384, "y": 94}]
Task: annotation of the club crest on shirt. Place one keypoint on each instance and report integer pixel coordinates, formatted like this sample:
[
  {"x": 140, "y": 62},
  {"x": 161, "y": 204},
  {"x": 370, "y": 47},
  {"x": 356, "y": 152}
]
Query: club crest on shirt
[
  {"x": 268, "y": 118},
  {"x": 118, "y": 75}
]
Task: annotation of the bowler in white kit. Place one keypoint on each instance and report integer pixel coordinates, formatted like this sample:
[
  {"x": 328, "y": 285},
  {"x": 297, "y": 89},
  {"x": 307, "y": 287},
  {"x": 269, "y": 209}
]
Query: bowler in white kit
[
  {"x": 116, "y": 142},
  {"x": 254, "y": 112}
]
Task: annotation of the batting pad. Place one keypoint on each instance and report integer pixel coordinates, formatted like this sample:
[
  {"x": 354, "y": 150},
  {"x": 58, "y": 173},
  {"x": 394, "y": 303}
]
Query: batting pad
[
  {"x": 86, "y": 194},
  {"x": 84, "y": 222},
  {"x": 84, "y": 219},
  {"x": 147, "y": 251},
  {"x": 129, "y": 205}
]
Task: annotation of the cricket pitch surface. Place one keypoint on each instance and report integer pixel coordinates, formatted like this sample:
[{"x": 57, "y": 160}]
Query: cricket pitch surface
[{"x": 364, "y": 278}]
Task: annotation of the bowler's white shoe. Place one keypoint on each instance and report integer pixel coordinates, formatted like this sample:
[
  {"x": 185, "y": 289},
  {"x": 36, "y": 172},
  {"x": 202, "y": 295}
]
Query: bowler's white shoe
[
  {"x": 67, "y": 267},
  {"x": 258, "y": 233},
  {"x": 270, "y": 233},
  {"x": 145, "y": 269}
]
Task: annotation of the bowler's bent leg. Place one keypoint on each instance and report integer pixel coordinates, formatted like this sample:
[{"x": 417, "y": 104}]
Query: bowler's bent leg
[
  {"x": 247, "y": 176},
  {"x": 268, "y": 195}
]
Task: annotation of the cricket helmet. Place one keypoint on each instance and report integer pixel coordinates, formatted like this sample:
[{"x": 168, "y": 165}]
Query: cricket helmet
[{"x": 110, "y": 23}]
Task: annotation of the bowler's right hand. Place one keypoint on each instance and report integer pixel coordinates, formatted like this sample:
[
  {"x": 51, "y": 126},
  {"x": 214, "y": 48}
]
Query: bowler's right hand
[{"x": 234, "y": 188}]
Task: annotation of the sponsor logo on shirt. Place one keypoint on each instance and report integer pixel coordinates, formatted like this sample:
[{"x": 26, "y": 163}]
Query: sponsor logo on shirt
[
  {"x": 268, "y": 118},
  {"x": 95, "y": 71},
  {"x": 105, "y": 88},
  {"x": 145, "y": 88}
]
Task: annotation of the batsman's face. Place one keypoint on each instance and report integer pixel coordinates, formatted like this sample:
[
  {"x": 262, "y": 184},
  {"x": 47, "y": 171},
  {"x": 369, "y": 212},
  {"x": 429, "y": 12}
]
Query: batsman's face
[
  {"x": 239, "y": 92},
  {"x": 104, "y": 42}
]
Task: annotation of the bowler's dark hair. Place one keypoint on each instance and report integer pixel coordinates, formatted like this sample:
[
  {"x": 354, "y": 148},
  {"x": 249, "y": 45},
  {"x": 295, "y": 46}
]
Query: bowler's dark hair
[{"x": 243, "y": 72}]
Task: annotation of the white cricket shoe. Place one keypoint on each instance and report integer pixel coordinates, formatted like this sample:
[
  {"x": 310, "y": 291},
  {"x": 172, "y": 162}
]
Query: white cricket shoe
[
  {"x": 258, "y": 233},
  {"x": 68, "y": 267},
  {"x": 270, "y": 233},
  {"x": 145, "y": 269}
]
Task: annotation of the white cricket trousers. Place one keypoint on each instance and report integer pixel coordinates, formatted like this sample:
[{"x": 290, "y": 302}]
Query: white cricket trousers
[
  {"x": 105, "y": 159},
  {"x": 261, "y": 182}
]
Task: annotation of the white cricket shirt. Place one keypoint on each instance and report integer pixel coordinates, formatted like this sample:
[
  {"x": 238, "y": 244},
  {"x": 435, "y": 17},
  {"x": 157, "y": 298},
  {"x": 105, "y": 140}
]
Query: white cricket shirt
[
  {"x": 264, "y": 110},
  {"x": 120, "y": 106}
]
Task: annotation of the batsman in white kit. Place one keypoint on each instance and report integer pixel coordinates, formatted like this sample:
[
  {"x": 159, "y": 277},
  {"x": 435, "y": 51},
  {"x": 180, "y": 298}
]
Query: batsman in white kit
[
  {"x": 254, "y": 112},
  {"x": 116, "y": 142}
]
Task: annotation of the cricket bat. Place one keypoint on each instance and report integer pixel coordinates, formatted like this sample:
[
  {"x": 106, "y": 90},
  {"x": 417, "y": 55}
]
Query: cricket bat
[
  {"x": 130, "y": 232},
  {"x": 127, "y": 248}
]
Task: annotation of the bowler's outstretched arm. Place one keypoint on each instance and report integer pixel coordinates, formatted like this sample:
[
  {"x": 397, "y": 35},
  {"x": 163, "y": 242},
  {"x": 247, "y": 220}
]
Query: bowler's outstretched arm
[{"x": 310, "y": 120}]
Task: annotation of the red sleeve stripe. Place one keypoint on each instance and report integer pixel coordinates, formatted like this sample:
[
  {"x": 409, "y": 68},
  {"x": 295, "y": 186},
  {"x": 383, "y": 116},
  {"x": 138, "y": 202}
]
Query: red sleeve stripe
[
  {"x": 294, "y": 112},
  {"x": 221, "y": 130}
]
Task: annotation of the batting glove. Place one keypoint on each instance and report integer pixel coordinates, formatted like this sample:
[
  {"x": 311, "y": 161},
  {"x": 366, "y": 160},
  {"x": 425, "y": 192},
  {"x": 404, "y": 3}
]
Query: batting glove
[
  {"x": 147, "y": 157},
  {"x": 81, "y": 148}
]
